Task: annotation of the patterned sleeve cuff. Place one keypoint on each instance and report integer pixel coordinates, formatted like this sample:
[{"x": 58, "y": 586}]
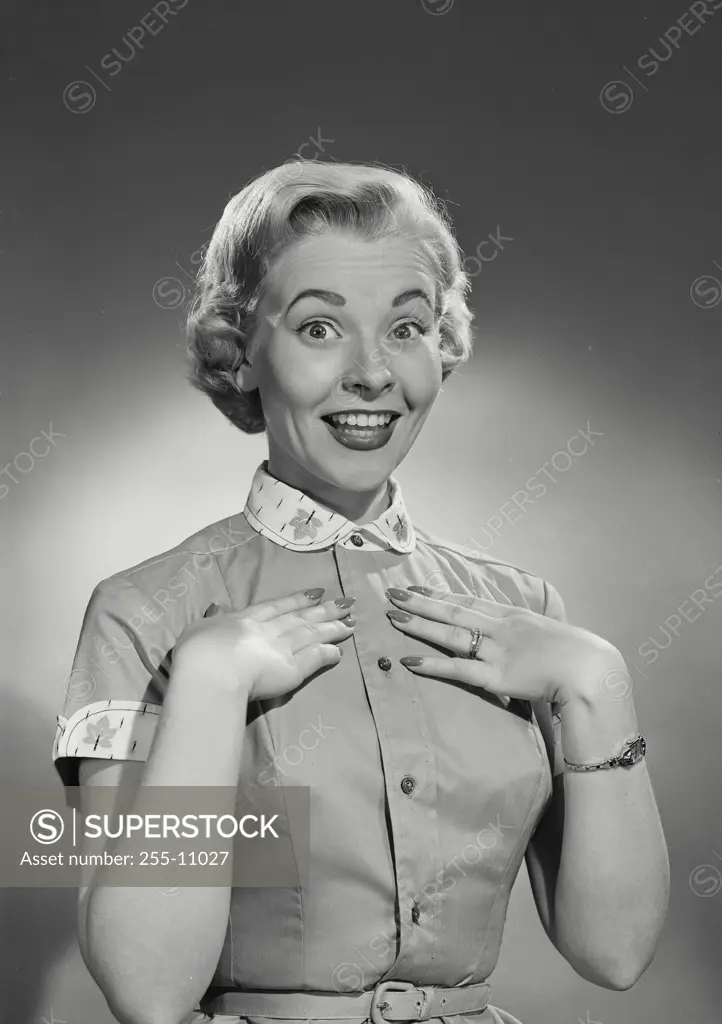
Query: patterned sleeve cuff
[{"x": 120, "y": 730}]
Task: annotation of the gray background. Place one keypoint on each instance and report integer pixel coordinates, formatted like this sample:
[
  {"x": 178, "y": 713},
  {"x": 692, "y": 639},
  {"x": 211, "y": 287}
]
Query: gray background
[{"x": 590, "y": 314}]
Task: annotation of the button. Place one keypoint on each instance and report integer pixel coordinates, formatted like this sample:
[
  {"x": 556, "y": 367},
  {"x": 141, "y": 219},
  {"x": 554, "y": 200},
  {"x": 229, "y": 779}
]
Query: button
[
  {"x": 357, "y": 539},
  {"x": 415, "y": 912},
  {"x": 384, "y": 664},
  {"x": 408, "y": 785}
]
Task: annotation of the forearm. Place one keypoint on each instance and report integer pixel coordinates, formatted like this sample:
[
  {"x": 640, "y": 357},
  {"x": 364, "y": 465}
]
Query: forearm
[
  {"x": 154, "y": 955},
  {"x": 613, "y": 880}
]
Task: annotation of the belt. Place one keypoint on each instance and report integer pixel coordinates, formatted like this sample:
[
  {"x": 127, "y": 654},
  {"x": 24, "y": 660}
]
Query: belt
[{"x": 389, "y": 1001}]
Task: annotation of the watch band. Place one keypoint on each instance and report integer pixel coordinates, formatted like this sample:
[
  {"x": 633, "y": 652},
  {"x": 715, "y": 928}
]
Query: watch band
[{"x": 632, "y": 752}]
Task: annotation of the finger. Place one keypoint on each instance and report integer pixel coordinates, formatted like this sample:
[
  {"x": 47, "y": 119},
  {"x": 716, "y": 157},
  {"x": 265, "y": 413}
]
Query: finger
[
  {"x": 265, "y": 610},
  {"x": 440, "y": 593},
  {"x": 455, "y": 638},
  {"x": 493, "y": 608},
  {"x": 461, "y": 612},
  {"x": 476, "y": 673},
  {"x": 482, "y": 604},
  {"x": 339, "y": 608},
  {"x": 317, "y": 656},
  {"x": 309, "y": 633}
]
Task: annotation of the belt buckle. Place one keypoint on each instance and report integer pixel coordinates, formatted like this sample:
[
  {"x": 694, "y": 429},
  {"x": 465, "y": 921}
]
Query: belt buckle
[{"x": 378, "y": 1004}]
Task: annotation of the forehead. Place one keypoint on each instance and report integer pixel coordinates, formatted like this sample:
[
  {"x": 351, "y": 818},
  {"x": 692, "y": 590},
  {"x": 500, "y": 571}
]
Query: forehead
[{"x": 344, "y": 263}]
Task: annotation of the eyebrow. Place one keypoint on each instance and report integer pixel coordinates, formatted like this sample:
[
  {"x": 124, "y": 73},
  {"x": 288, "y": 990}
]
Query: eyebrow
[
  {"x": 413, "y": 293},
  {"x": 334, "y": 299}
]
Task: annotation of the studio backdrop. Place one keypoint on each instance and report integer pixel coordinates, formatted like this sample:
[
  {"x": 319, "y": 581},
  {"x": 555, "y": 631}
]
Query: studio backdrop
[{"x": 577, "y": 149}]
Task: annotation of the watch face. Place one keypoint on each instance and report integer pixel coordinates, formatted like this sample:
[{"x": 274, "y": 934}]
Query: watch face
[{"x": 634, "y": 752}]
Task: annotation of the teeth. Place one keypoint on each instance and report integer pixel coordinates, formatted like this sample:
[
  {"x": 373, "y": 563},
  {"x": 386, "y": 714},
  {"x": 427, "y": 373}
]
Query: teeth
[{"x": 361, "y": 419}]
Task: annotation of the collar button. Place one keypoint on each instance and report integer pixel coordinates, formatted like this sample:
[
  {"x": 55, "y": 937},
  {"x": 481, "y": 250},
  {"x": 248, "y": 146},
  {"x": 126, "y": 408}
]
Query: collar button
[{"x": 357, "y": 539}]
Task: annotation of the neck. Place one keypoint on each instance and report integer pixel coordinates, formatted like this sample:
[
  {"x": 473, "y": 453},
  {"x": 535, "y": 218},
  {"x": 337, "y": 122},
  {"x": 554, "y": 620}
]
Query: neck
[{"x": 357, "y": 506}]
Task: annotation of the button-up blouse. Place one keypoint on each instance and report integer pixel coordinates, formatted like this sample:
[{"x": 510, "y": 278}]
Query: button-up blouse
[{"x": 424, "y": 792}]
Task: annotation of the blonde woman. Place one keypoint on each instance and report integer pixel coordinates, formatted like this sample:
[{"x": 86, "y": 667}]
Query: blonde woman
[{"x": 451, "y": 721}]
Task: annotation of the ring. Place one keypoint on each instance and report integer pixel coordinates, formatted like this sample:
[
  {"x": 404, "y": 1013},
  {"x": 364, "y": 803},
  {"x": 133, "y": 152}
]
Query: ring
[{"x": 476, "y": 637}]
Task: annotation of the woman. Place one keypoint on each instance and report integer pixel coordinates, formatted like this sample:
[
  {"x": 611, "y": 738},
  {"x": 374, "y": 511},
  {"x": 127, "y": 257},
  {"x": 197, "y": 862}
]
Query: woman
[{"x": 330, "y": 309}]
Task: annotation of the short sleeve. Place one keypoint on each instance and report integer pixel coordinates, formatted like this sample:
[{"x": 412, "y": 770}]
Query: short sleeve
[{"x": 115, "y": 689}]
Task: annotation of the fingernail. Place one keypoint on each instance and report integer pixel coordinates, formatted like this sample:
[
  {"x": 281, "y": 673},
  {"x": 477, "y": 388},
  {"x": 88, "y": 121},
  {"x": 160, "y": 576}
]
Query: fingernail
[
  {"x": 411, "y": 661},
  {"x": 344, "y": 602},
  {"x": 349, "y": 622},
  {"x": 315, "y": 594},
  {"x": 421, "y": 590},
  {"x": 399, "y": 616},
  {"x": 400, "y": 595}
]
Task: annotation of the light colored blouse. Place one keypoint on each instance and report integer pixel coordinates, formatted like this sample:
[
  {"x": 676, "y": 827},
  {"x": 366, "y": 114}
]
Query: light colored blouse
[{"x": 424, "y": 793}]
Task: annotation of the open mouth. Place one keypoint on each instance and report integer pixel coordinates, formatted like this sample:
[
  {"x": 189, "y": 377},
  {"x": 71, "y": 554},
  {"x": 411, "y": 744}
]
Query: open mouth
[{"x": 361, "y": 430}]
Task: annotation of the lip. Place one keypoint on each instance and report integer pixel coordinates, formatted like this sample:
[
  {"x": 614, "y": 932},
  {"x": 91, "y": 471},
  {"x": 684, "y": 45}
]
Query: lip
[{"x": 348, "y": 436}]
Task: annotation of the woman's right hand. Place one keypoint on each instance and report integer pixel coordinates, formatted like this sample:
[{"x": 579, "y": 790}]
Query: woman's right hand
[{"x": 269, "y": 648}]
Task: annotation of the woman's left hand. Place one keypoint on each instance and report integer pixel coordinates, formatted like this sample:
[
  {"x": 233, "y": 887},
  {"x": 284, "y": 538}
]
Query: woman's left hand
[{"x": 522, "y": 654}]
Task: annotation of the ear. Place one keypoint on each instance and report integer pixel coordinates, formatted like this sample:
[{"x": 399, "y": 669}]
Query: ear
[{"x": 247, "y": 373}]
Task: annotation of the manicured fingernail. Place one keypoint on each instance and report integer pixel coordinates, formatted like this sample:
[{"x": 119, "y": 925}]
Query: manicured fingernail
[
  {"x": 400, "y": 595},
  {"x": 349, "y": 621},
  {"x": 399, "y": 616},
  {"x": 421, "y": 590},
  {"x": 344, "y": 602},
  {"x": 315, "y": 594},
  {"x": 411, "y": 661}
]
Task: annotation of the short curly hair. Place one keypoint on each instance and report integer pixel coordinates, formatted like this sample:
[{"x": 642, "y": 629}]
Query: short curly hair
[{"x": 281, "y": 206}]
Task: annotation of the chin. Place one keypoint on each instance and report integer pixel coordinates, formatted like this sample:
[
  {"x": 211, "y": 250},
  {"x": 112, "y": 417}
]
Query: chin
[{"x": 353, "y": 471}]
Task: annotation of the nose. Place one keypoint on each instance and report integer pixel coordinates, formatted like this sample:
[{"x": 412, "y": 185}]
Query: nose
[{"x": 369, "y": 375}]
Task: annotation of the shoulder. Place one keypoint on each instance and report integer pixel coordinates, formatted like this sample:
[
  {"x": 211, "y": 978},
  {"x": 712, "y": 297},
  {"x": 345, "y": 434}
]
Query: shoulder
[
  {"x": 122, "y": 660},
  {"x": 179, "y": 583},
  {"x": 203, "y": 552},
  {"x": 493, "y": 578}
]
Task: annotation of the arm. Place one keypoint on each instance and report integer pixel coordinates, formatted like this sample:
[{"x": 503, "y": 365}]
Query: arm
[
  {"x": 135, "y": 941},
  {"x": 598, "y": 861},
  {"x": 154, "y": 957}
]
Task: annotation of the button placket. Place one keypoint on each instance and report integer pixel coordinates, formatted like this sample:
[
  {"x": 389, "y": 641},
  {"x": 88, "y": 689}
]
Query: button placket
[{"x": 406, "y": 751}]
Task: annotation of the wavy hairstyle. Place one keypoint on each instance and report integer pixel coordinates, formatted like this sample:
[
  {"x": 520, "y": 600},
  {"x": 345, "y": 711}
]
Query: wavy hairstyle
[{"x": 288, "y": 203}]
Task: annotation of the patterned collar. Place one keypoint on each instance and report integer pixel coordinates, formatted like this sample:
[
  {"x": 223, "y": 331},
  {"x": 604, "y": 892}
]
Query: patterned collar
[{"x": 290, "y": 518}]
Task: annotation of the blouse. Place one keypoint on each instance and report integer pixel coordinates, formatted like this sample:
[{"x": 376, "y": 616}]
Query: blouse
[{"x": 424, "y": 792}]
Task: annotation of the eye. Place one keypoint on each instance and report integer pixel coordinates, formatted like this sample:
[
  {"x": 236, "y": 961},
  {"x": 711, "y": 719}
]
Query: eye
[
  {"x": 408, "y": 330},
  {"x": 318, "y": 330}
]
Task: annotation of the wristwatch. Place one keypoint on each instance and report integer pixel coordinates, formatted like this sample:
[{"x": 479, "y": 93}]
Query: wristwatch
[{"x": 632, "y": 752}]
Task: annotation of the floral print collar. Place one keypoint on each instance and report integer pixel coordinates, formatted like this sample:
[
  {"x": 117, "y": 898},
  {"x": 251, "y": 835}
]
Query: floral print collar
[{"x": 290, "y": 518}]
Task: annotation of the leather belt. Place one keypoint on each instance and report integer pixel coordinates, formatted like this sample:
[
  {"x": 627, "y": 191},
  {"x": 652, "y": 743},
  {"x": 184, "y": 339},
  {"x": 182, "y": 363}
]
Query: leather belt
[{"x": 389, "y": 1001}]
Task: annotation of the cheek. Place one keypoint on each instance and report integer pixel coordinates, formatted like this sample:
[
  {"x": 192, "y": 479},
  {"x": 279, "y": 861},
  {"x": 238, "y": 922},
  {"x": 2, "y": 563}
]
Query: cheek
[
  {"x": 420, "y": 374},
  {"x": 294, "y": 380}
]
